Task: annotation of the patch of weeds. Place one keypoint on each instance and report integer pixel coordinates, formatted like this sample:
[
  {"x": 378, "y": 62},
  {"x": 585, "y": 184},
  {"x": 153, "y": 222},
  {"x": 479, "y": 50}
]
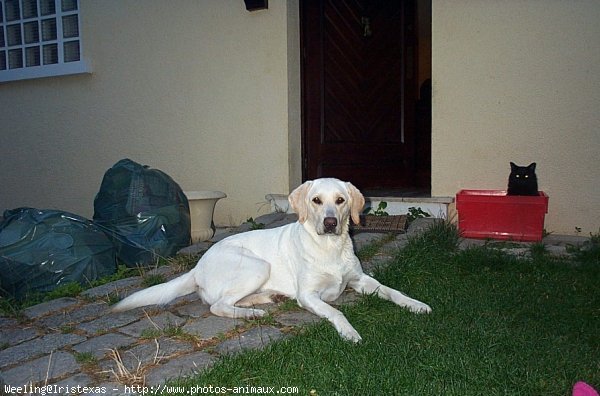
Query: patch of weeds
[
  {"x": 441, "y": 236},
  {"x": 380, "y": 211},
  {"x": 589, "y": 252},
  {"x": 254, "y": 225},
  {"x": 9, "y": 307},
  {"x": 184, "y": 262},
  {"x": 122, "y": 272},
  {"x": 170, "y": 330},
  {"x": 71, "y": 289},
  {"x": 152, "y": 279},
  {"x": 112, "y": 298},
  {"x": 538, "y": 251},
  {"x": 267, "y": 320},
  {"x": 151, "y": 333},
  {"x": 416, "y": 213},
  {"x": 86, "y": 358},
  {"x": 67, "y": 329},
  {"x": 289, "y": 305}
]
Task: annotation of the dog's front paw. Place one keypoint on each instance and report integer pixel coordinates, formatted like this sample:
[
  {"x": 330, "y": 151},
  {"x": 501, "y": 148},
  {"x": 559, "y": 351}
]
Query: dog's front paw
[
  {"x": 350, "y": 335},
  {"x": 419, "y": 307},
  {"x": 346, "y": 331}
]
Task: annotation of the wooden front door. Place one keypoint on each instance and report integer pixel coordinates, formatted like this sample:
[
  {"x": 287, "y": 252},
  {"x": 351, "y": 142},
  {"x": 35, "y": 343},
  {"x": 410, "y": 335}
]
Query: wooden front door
[{"x": 359, "y": 91}]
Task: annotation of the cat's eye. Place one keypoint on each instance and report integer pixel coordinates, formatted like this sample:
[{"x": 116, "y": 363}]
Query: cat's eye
[
  {"x": 517, "y": 176},
  {"x": 317, "y": 200},
  {"x": 526, "y": 176},
  {"x": 340, "y": 201}
]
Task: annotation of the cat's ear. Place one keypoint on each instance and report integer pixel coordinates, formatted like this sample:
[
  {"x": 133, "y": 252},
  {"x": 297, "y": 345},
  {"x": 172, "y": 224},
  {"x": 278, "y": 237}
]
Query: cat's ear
[
  {"x": 513, "y": 166},
  {"x": 531, "y": 167}
]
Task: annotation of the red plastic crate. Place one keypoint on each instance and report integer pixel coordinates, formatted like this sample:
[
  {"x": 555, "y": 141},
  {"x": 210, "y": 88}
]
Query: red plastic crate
[{"x": 492, "y": 214}]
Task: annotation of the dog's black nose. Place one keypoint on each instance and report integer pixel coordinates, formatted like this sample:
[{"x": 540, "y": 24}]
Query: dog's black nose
[{"x": 330, "y": 224}]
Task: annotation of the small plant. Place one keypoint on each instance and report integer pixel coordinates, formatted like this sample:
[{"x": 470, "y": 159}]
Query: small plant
[
  {"x": 153, "y": 279},
  {"x": 289, "y": 305},
  {"x": 85, "y": 358},
  {"x": 416, "y": 213},
  {"x": 254, "y": 225},
  {"x": 112, "y": 298},
  {"x": 589, "y": 251},
  {"x": 380, "y": 211},
  {"x": 538, "y": 250}
]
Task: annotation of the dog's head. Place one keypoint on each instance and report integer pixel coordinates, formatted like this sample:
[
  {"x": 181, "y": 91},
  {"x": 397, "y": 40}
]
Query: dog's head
[{"x": 327, "y": 204}]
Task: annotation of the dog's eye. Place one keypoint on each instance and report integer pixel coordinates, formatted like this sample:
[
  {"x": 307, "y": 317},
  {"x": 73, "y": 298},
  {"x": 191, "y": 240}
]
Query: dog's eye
[
  {"x": 317, "y": 200},
  {"x": 340, "y": 201}
]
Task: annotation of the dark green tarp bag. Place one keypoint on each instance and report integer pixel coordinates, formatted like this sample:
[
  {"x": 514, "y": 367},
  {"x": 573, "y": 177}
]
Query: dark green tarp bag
[
  {"x": 43, "y": 249},
  {"x": 144, "y": 211}
]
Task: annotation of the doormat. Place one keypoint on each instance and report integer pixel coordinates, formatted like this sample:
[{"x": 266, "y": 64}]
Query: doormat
[{"x": 388, "y": 224}]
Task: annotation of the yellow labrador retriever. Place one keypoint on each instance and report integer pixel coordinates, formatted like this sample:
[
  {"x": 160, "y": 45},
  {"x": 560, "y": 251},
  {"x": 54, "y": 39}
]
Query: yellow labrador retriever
[{"x": 311, "y": 260}]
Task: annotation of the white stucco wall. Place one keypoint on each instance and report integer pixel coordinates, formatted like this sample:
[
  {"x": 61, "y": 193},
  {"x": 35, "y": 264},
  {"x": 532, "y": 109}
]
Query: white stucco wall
[
  {"x": 519, "y": 81},
  {"x": 209, "y": 93},
  {"x": 198, "y": 89}
]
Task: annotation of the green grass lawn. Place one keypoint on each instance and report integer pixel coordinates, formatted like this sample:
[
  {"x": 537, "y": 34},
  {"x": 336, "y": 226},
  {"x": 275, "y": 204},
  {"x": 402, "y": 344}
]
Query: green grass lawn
[{"x": 499, "y": 326}]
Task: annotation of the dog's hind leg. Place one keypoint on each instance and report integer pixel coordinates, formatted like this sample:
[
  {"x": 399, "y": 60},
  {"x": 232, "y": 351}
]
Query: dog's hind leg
[{"x": 242, "y": 287}]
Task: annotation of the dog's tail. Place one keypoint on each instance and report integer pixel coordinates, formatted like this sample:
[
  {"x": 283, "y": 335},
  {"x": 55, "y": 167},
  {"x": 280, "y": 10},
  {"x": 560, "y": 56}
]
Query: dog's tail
[{"x": 159, "y": 294}]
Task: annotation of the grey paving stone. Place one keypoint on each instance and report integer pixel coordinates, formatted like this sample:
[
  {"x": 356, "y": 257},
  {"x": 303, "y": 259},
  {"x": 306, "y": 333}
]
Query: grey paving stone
[
  {"x": 422, "y": 224},
  {"x": 159, "y": 322},
  {"x": 196, "y": 309},
  {"x": 149, "y": 353},
  {"x": 187, "y": 299},
  {"x": 196, "y": 248},
  {"x": 110, "y": 321},
  {"x": 37, "y": 347},
  {"x": 563, "y": 240},
  {"x": 14, "y": 336},
  {"x": 347, "y": 297},
  {"x": 468, "y": 243},
  {"x": 210, "y": 326},
  {"x": 255, "y": 338},
  {"x": 113, "y": 287},
  {"x": 363, "y": 239},
  {"x": 297, "y": 318},
  {"x": 557, "y": 250},
  {"x": 182, "y": 366},
  {"x": 45, "y": 308},
  {"x": 100, "y": 346},
  {"x": 43, "y": 369},
  {"x": 85, "y": 312},
  {"x": 5, "y": 322}
]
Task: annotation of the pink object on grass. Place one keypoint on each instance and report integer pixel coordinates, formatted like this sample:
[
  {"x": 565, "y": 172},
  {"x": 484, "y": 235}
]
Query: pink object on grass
[{"x": 582, "y": 389}]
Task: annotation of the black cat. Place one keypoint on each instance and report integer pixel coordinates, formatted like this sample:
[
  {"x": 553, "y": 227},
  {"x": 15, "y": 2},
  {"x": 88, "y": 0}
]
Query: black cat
[{"x": 522, "y": 180}]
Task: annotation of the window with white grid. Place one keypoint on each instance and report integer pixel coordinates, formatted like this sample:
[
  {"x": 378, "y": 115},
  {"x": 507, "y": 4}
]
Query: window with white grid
[{"x": 39, "y": 38}]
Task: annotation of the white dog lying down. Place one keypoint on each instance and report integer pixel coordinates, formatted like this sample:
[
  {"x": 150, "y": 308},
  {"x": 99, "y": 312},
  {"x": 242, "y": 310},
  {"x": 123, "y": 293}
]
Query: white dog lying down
[{"x": 311, "y": 260}]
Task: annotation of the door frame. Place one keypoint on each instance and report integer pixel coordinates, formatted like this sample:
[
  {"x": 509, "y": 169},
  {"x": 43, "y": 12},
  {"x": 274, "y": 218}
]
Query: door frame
[{"x": 422, "y": 56}]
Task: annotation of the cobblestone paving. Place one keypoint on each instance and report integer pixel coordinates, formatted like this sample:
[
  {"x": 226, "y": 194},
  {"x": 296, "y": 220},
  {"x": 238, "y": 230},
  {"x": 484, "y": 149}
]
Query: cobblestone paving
[{"x": 74, "y": 342}]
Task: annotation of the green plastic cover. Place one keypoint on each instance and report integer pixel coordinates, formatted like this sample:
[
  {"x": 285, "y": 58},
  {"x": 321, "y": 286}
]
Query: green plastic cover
[
  {"x": 43, "y": 249},
  {"x": 144, "y": 211}
]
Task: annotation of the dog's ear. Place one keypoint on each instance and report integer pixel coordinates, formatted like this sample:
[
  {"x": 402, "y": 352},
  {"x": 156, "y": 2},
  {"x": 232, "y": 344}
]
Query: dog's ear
[
  {"x": 298, "y": 201},
  {"x": 357, "y": 202}
]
